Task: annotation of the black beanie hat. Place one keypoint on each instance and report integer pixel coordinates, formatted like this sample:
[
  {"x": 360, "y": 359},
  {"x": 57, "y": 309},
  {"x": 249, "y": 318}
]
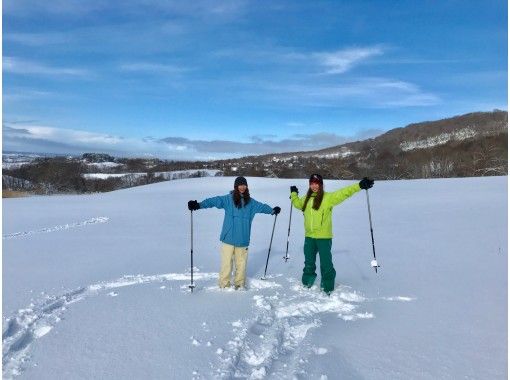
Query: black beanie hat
[
  {"x": 316, "y": 178},
  {"x": 240, "y": 181}
]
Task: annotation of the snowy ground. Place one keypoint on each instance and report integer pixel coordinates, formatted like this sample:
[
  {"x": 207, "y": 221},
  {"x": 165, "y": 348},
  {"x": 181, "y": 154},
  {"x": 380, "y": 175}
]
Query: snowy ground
[{"x": 95, "y": 286}]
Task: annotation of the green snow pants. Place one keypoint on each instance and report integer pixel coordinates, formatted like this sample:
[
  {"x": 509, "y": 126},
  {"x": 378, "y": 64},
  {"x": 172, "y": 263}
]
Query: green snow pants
[{"x": 328, "y": 273}]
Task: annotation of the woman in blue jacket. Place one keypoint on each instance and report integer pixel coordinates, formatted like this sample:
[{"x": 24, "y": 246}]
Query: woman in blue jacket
[{"x": 240, "y": 209}]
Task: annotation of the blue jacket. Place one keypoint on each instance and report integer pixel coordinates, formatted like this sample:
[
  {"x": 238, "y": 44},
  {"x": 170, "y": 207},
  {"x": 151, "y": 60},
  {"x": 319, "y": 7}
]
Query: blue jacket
[{"x": 237, "y": 222}]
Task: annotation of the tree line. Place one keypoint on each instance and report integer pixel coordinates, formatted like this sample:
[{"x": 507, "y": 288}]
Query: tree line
[{"x": 467, "y": 158}]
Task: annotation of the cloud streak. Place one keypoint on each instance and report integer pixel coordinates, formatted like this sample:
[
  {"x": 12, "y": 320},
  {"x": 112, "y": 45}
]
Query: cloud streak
[
  {"x": 220, "y": 9},
  {"x": 38, "y": 39},
  {"x": 154, "y": 68},
  {"x": 299, "y": 85},
  {"x": 364, "y": 92},
  {"x": 15, "y": 65},
  {"x": 24, "y": 94},
  {"x": 325, "y": 62},
  {"x": 259, "y": 144},
  {"x": 36, "y": 138},
  {"x": 341, "y": 61}
]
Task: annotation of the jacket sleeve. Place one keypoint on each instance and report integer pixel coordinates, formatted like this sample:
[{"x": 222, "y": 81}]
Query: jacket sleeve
[
  {"x": 218, "y": 202},
  {"x": 261, "y": 208},
  {"x": 296, "y": 201},
  {"x": 341, "y": 195}
]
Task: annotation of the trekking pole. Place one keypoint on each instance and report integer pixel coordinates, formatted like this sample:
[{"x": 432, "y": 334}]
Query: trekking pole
[
  {"x": 270, "y": 243},
  {"x": 286, "y": 257},
  {"x": 191, "y": 285},
  {"x": 373, "y": 263}
]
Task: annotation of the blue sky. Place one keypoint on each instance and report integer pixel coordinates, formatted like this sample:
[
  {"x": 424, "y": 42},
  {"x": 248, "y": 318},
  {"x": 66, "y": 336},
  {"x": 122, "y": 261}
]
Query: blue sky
[{"x": 216, "y": 79}]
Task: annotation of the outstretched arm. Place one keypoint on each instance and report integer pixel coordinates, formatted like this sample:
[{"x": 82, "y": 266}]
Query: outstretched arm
[
  {"x": 261, "y": 208},
  {"x": 341, "y": 195},
  {"x": 218, "y": 202}
]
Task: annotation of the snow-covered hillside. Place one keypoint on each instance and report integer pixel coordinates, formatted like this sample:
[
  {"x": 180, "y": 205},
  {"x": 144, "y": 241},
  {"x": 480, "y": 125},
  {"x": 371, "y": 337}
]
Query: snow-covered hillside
[
  {"x": 168, "y": 176},
  {"x": 95, "y": 286},
  {"x": 16, "y": 160},
  {"x": 443, "y": 138}
]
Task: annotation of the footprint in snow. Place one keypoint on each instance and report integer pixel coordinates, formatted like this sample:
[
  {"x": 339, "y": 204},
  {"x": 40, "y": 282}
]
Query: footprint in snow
[
  {"x": 277, "y": 330},
  {"x": 271, "y": 343}
]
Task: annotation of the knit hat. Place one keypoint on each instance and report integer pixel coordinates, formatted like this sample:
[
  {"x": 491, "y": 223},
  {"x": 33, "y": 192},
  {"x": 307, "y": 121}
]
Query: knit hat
[
  {"x": 240, "y": 181},
  {"x": 317, "y": 178}
]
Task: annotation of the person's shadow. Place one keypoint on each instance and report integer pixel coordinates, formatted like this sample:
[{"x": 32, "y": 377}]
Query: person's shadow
[
  {"x": 257, "y": 262},
  {"x": 345, "y": 255},
  {"x": 276, "y": 265}
]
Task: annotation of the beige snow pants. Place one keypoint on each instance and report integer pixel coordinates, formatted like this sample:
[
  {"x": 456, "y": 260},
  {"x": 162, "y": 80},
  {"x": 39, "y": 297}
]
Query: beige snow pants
[{"x": 239, "y": 255}]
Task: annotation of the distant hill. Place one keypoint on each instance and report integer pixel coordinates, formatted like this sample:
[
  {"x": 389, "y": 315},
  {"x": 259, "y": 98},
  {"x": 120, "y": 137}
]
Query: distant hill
[{"x": 474, "y": 144}]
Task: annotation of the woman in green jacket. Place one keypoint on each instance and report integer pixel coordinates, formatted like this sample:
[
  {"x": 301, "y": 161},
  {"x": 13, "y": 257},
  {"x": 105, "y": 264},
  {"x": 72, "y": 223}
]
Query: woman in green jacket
[{"x": 317, "y": 207}]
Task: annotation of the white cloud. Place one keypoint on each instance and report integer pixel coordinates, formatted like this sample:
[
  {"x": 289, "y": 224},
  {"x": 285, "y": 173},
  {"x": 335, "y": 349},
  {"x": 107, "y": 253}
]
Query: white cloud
[
  {"x": 294, "y": 80},
  {"x": 340, "y": 61},
  {"x": 38, "y": 139},
  {"x": 38, "y": 132},
  {"x": 38, "y": 39},
  {"x": 154, "y": 68},
  {"x": 368, "y": 92},
  {"x": 411, "y": 100},
  {"x": 295, "y": 124},
  {"x": 24, "y": 94},
  {"x": 19, "y": 66},
  {"x": 260, "y": 144},
  {"x": 204, "y": 9},
  {"x": 311, "y": 62},
  {"x": 26, "y": 7}
]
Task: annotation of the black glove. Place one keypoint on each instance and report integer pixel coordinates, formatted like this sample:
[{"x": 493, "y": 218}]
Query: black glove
[
  {"x": 193, "y": 205},
  {"x": 276, "y": 210},
  {"x": 366, "y": 183},
  {"x": 293, "y": 189}
]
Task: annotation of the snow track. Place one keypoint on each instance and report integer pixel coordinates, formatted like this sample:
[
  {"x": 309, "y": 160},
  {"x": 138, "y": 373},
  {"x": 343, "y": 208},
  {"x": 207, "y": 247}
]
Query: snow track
[
  {"x": 100, "y": 219},
  {"x": 269, "y": 345},
  {"x": 39, "y": 318},
  {"x": 30, "y": 324}
]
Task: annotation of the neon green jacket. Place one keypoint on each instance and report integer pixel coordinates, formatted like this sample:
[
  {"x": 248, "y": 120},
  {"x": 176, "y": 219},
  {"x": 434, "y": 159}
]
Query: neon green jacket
[{"x": 318, "y": 223}]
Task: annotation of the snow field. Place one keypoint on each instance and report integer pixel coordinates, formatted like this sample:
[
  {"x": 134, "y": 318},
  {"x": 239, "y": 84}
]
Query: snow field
[
  {"x": 280, "y": 324},
  {"x": 77, "y": 306}
]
